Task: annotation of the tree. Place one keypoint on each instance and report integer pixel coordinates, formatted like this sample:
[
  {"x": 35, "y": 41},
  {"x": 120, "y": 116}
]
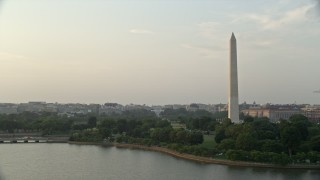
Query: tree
[
  {"x": 220, "y": 115},
  {"x": 298, "y": 117},
  {"x": 106, "y": 127},
  {"x": 9, "y": 125},
  {"x": 220, "y": 134},
  {"x": 239, "y": 155},
  {"x": 195, "y": 137},
  {"x": 161, "y": 134},
  {"x": 272, "y": 146},
  {"x": 315, "y": 143},
  {"x": 48, "y": 125},
  {"x": 181, "y": 137},
  {"x": 291, "y": 138},
  {"x": 227, "y": 144},
  {"x": 313, "y": 156},
  {"x": 233, "y": 131},
  {"x": 163, "y": 123},
  {"x": 226, "y": 122},
  {"x": 246, "y": 141},
  {"x": 301, "y": 123},
  {"x": 264, "y": 129},
  {"x": 122, "y": 125},
  {"x": 92, "y": 122},
  {"x": 91, "y": 135},
  {"x": 248, "y": 119}
]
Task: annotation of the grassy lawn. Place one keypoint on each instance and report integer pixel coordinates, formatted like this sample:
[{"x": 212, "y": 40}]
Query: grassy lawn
[
  {"x": 208, "y": 142},
  {"x": 176, "y": 125}
]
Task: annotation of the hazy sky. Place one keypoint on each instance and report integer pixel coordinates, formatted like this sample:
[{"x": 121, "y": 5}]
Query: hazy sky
[{"x": 158, "y": 51}]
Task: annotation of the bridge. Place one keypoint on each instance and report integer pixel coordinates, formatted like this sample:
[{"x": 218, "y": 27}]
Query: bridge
[
  {"x": 32, "y": 138},
  {"x": 24, "y": 140}
]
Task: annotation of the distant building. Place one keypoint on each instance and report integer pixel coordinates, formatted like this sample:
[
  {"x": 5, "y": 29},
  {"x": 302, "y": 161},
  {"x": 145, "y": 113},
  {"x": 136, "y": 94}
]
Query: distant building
[
  {"x": 93, "y": 108},
  {"x": 221, "y": 107},
  {"x": 199, "y": 106},
  {"x": 51, "y": 107},
  {"x": 32, "y": 107},
  {"x": 8, "y": 108},
  {"x": 157, "y": 110},
  {"x": 208, "y": 107},
  {"x": 111, "y": 108},
  {"x": 312, "y": 113},
  {"x": 76, "y": 108},
  {"x": 178, "y": 106},
  {"x": 273, "y": 112},
  {"x": 130, "y": 107},
  {"x": 192, "y": 107},
  {"x": 244, "y": 105}
]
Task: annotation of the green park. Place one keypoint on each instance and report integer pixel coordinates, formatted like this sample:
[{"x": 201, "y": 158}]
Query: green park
[{"x": 200, "y": 133}]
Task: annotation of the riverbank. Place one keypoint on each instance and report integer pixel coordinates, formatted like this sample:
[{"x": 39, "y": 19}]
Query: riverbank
[
  {"x": 199, "y": 159},
  {"x": 90, "y": 143},
  {"x": 206, "y": 160}
]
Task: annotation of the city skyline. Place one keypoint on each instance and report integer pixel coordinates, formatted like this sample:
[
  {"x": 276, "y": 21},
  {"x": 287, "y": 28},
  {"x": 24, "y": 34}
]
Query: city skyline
[{"x": 158, "y": 52}]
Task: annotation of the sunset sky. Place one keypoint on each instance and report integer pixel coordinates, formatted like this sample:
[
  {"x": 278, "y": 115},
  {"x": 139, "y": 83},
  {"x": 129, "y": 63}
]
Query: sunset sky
[{"x": 158, "y": 51}]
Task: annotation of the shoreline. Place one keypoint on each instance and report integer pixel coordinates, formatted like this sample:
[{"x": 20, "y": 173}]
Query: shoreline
[
  {"x": 206, "y": 160},
  {"x": 190, "y": 157},
  {"x": 199, "y": 159},
  {"x": 90, "y": 143}
]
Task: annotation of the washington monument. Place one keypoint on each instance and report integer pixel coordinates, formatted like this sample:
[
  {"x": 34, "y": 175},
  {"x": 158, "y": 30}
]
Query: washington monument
[{"x": 233, "y": 100}]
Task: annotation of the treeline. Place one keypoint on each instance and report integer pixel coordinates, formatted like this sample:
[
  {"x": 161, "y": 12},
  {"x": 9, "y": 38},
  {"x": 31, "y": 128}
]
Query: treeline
[
  {"x": 147, "y": 132},
  {"x": 273, "y": 158},
  {"x": 262, "y": 141},
  {"x": 134, "y": 114},
  {"x": 153, "y": 131},
  {"x": 257, "y": 139},
  {"x": 47, "y": 123},
  {"x": 180, "y": 136},
  {"x": 203, "y": 123},
  {"x": 132, "y": 128},
  {"x": 194, "y": 120},
  {"x": 52, "y": 123},
  {"x": 296, "y": 140},
  {"x": 183, "y": 116},
  {"x": 145, "y": 128}
]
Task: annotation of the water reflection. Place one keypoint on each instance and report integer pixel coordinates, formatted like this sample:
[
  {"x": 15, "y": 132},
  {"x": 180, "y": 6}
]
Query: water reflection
[{"x": 274, "y": 174}]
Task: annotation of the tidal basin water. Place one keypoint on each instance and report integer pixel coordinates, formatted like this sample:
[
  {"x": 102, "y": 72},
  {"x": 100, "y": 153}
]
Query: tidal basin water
[{"x": 81, "y": 162}]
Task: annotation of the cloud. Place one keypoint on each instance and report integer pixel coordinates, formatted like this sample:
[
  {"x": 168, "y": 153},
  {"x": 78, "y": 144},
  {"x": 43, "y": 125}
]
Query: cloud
[
  {"x": 257, "y": 29},
  {"x": 207, "y": 52},
  {"x": 315, "y": 10},
  {"x": 318, "y": 91},
  {"x": 317, "y": 5},
  {"x": 213, "y": 42},
  {"x": 273, "y": 22},
  {"x": 141, "y": 31},
  {"x": 211, "y": 29},
  {"x": 10, "y": 56},
  {"x": 263, "y": 43}
]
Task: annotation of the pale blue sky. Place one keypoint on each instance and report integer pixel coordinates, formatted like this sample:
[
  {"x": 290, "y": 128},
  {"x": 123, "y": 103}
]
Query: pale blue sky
[{"x": 158, "y": 52}]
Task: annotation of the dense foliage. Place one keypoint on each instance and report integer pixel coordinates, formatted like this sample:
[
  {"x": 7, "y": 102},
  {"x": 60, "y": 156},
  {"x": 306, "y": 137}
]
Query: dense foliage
[
  {"x": 155, "y": 131},
  {"x": 296, "y": 140},
  {"x": 47, "y": 123}
]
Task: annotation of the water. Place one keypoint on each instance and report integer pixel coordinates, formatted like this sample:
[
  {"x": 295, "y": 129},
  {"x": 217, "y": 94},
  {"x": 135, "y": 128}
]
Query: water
[{"x": 81, "y": 162}]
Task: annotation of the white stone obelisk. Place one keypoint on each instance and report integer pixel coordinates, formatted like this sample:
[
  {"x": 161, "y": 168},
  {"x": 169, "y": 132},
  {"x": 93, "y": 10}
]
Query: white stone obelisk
[{"x": 233, "y": 100}]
